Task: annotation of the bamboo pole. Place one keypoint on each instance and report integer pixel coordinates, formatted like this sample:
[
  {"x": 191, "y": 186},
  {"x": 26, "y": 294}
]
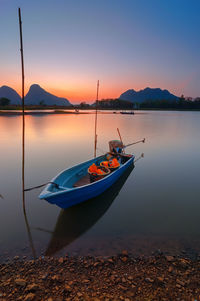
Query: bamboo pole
[
  {"x": 23, "y": 137},
  {"x": 120, "y": 137},
  {"x": 143, "y": 140},
  {"x": 95, "y": 134},
  {"x": 23, "y": 117}
]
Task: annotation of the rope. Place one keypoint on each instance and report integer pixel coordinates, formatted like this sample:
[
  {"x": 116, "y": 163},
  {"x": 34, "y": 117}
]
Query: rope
[
  {"x": 142, "y": 156},
  {"x": 39, "y": 186}
]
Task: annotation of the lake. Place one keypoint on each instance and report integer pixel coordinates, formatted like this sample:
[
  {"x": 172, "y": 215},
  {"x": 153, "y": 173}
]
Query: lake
[{"x": 154, "y": 206}]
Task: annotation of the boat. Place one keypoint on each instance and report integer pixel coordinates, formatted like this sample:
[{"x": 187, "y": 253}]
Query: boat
[
  {"x": 67, "y": 229},
  {"x": 127, "y": 112},
  {"x": 74, "y": 185}
]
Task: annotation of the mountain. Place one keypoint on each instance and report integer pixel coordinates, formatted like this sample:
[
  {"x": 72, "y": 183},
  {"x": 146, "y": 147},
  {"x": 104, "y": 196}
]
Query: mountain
[
  {"x": 11, "y": 94},
  {"x": 147, "y": 94},
  {"x": 36, "y": 96}
]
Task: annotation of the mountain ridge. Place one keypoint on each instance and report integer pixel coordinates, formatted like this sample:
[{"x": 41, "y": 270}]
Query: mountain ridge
[
  {"x": 38, "y": 96},
  {"x": 11, "y": 94},
  {"x": 147, "y": 94},
  {"x": 35, "y": 96}
]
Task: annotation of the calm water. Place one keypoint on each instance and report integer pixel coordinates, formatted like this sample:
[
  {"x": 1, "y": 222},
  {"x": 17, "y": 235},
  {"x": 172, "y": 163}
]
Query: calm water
[{"x": 154, "y": 206}]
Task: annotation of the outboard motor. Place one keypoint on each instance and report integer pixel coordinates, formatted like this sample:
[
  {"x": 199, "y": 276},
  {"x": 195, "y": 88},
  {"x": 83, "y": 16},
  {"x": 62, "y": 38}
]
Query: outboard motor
[{"x": 116, "y": 146}]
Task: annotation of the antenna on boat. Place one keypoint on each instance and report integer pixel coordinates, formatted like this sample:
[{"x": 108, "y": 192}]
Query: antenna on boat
[
  {"x": 95, "y": 134},
  {"x": 23, "y": 119}
]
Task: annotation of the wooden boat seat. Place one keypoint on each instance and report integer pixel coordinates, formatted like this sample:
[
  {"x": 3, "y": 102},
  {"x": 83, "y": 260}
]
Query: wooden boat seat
[{"x": 83, "y": 181}]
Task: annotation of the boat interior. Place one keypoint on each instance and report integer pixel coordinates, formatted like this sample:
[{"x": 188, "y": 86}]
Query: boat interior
[{"x": 78, "y": 175}]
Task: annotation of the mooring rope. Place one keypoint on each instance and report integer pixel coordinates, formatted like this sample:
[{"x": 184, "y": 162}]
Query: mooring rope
[
  {"x": 39, "y": 186},
  {"x": 140, "y": 157}
]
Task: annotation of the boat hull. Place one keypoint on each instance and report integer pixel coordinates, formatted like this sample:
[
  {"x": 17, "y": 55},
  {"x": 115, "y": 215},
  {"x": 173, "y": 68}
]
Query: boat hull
[{"x": 77, "y": 195}]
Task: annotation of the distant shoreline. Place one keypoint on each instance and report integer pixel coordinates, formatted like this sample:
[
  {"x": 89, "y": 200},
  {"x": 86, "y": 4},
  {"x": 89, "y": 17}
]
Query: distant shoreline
[
  {"x": 35, "y": 112},
  {"x": 17, "y": 111}
]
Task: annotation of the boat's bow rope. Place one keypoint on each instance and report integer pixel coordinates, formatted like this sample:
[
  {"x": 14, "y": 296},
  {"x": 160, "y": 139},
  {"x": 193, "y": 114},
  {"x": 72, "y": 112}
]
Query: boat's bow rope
[{"x": 39, "y": 186}]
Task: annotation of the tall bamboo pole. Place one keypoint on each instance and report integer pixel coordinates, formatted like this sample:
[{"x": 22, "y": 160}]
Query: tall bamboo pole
[
  {"x": 23, "y": 117},
  {"x": 95, "y": 134}
]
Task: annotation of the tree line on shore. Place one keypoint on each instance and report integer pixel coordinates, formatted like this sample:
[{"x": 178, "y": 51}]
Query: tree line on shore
[{"x": 181, "y": 103}]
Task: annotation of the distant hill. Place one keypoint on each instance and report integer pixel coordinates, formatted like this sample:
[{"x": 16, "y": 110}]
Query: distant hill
[
  {"x": 38, "y": 96},
  {"x": 147, "y": 94},
  {"x": 11, "y": 94}
]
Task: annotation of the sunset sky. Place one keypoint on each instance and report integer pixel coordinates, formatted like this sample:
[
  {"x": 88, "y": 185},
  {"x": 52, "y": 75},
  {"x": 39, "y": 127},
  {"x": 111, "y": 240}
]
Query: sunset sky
[{"x": 126, "y": 44}]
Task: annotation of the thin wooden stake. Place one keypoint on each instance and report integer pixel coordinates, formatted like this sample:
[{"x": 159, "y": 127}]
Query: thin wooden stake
[
  {"x": 95, "y": 134},
  {"x": 23, "y": 117},
  {"x": 119, "y": 135}
]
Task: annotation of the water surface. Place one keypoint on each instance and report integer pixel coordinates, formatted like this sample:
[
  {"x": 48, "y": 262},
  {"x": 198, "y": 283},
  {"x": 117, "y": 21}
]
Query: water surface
[{"x": 156, "y": 206}]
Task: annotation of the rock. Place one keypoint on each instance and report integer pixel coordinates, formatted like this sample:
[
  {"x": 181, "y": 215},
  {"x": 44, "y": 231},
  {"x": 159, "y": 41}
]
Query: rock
[
  {"x": 170, "y": 269},
  {"x": 68, "y": 288},
  {"x": 160, "y": 279},
  {"x": 122, "y": 287},
  {"x": 59, "y": 299},
  {"x": 169, "y": 258},
  {"x": 30, "y": 297},
  {"x": 149, "y": 280},
  {"x": 183, "y": 263},
  {"x": 16, "y": 258},
  {"x": 110, "y": 260},
  {"x": 124, "y": 259},
  {"x": 61, "y": 260},
  {"x": 32, "y": 287},
  {"x": 182, "y": 283},
  {"x": 44, "y": 277},
  {"x": 79, "y": 294},
  {"x": 20, "y": 282},
  {"x": 125, "y": 252},
  {"x": 55, "y": 278}
]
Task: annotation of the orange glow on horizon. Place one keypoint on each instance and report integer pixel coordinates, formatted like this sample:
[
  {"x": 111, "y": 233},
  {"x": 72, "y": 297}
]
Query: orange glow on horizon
[
  {"x": 76, "y": 94},
  {"x": 85, "y": 90}
]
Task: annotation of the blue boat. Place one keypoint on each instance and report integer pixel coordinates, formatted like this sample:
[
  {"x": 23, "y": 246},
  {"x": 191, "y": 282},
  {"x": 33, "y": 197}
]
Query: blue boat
[
  {"x": 73, "y": 185},
  {"x": 67, "y": 229}
]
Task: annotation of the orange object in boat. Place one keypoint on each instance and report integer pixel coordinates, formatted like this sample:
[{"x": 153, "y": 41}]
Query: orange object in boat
[
  {"x": 93, "y": 168},
  {"x": 114, "y": 163},
  {"x": 99, "y": 171},
  {"x": 105, "y": 163}
]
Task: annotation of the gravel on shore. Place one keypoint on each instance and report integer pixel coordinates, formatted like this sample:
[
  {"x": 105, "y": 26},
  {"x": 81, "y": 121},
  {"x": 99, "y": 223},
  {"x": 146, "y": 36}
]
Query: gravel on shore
[{"x": 121, "y": 277}]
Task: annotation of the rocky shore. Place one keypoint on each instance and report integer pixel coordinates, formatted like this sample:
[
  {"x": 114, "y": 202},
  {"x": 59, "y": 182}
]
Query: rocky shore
[{"x": 119, "y": 277}]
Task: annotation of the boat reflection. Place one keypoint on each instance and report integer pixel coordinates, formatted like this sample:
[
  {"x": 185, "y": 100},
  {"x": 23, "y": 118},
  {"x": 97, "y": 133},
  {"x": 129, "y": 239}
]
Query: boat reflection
[{"x": 75, "y": 221}]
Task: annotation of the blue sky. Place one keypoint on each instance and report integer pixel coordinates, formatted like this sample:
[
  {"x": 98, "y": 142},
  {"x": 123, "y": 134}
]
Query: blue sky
[{"x": 125, "y": 44}]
